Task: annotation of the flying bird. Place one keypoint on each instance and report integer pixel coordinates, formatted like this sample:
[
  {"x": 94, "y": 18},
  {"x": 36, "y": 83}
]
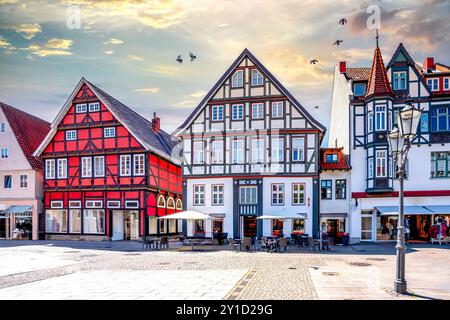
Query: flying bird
[
  {"x": 342, "y": 21},
  {"x": 179, "y": 59},
  {"x": 313, "y": 61},
  {"x": 338, "y": 42},
  {"x": 316, "y": 107},
  {"x": 192, "y": 56}
]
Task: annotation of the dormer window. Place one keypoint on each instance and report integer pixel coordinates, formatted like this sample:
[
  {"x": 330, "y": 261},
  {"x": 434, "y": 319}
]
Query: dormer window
[
  {"x": 433, "y": 84},
  {"x": 257, "y": 78},
  {"x": 359, "y": 89},
  {"x": 446, "y": 83},
  {"x": 237, "y": 80},
  {"x": 399, "y": 80},
  {"x": 331, "y": 158}
]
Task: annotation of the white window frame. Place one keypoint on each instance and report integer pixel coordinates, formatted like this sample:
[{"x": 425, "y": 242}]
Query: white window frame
[
  {"x": 239, "y": 111},
  {"x": 277, "y": 194},
  {"x": 172, "y": 201},
  {"x": 257, "y": 153},
  {"x": 62, "y": 168},
  {"x": 371, "y": 168},
  {"x": 381, "y": 162},
  {"x": 86, "y": 167},
  {"x": 299, "y": 192},
  {"x": 4, "y": 153},
  {"x": 258, "y": 110},
  {"x": 238, "y": 153},
  {"x": 50, "y": 170},
  {"x": 81, "y": 108},
  {"x": 199, "y": 194},
  {"x": 113, "y": 204},
  {"x": 94, "y": 204},
  {"x": 277, "y": 109},
  {"x": 56, "y": 204},
  {"x": 125, "y": 165},
  {"x": 446, "y": 87},
  {"x": 277, "y": 148},
  {"x": 179, "y": 204},
  {"x": 433, "y": 84},
  {"x": 246, "y": 197},
  {"x": 131, "y": 204},
  {"x": 71, "y": 135},
  {"x": 217, "y": 194},
  {"x": 369, "y": 119},
  {"x": 158, "y": 204},
  {"x": 23, "y": 181},
  {"x": 256, "y": 75},
  {"x": 398, "y": 78},
  {"x": 198, "y": 155},
  {"x": 109, "y": 132},
  {"x": 2, "y": 127},
  {"x": 380, "y": 113},
  {"x": 139, "y": 160},
  {"x": 75, "y": 204},
  {"x": 300, "y": 148},
  {"x": 100, "y": 173},
  {"x": 217, "y": 152},
  {"x": 237, "y": 80},
  {"x": 94, "y": 106},
  {"x": 217, "y": 113}
]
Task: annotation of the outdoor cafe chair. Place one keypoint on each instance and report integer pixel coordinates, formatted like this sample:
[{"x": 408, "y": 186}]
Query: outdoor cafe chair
[
  {"x": 313, "y": 243},
  {"x": 164, "y": 242},
  {"x": 234, "y": 244},
  {"x": 248, "y": 243},
  {"x": 283, "y": 243}
]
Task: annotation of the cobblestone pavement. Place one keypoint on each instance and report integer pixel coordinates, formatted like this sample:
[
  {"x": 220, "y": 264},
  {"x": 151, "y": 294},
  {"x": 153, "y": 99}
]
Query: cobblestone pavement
[{"x": 60, "y": 269}]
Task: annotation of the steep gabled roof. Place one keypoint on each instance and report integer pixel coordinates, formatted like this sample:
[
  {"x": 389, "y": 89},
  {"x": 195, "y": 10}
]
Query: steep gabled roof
[
  {"x": 358, "y": 74},
  {"x": 160, "y": 143},
  {"x": 378, "y": 80},
  {"x": 222, "y": 79},
  {"x": 342, "y": 161},
  {"x": 29, "y": 130}
]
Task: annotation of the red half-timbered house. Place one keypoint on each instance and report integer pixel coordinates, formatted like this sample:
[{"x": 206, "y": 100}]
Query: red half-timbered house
[{"x": 108, "y": 172}]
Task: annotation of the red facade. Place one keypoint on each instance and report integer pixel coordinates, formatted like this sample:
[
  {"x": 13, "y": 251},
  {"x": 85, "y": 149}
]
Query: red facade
[{"x": 97, "y": 172}]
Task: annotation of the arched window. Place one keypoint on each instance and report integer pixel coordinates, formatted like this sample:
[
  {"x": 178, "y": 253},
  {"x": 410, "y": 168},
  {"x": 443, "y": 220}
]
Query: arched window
[
  {"x": 170, "y": 203},
  {"x": 161, "y": 203},
  {"x": 179, "y": 204}
]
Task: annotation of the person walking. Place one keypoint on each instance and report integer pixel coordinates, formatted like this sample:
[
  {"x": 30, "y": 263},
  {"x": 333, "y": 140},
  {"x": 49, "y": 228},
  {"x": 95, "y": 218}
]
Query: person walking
[{"x": 407, "y": 231}]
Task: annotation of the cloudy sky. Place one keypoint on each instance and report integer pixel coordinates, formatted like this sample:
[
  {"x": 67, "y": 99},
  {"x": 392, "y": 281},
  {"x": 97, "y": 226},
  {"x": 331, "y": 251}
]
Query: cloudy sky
[{"x": 128, "y": 48}]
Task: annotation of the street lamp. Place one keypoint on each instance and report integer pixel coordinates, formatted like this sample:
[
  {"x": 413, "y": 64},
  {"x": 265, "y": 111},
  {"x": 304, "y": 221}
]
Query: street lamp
[{"x": 400, "y": 139}]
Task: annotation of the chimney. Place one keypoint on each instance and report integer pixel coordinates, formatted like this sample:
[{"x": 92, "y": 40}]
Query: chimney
[
  {"x": 429, "y": 63},
  {"x": 156, "y": 123},
  {"x": 342, "y": 67}
]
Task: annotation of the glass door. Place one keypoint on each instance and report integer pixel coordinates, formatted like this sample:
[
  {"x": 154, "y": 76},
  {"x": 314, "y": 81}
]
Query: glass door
[{"x": 366, "y": 227}]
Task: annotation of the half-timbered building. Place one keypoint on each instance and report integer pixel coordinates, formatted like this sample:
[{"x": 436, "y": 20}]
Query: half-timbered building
[
  {"x": 250, "y": 148},
  {"x": 365, "y": 106},
  {"x": 108, "y": 172}
]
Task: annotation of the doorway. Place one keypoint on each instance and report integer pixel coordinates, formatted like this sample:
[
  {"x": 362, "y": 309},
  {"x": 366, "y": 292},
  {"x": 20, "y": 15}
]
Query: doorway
[
  {"x": 249, "y": 228},
  {"x": 125, "y": 225}
]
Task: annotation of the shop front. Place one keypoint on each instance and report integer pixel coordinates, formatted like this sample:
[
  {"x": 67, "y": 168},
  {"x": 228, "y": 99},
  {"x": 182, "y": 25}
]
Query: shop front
[
  {"x": 16, "y": 223},
  {"x": 334, "y": 226}
]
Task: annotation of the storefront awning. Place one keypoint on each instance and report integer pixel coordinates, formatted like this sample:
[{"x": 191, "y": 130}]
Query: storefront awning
[
  {"x": 333, "y": 215},
  {"x": 410, "y": 210},
  {"x": 439, "y": 209},
  {"x": 17, "y": 209}
]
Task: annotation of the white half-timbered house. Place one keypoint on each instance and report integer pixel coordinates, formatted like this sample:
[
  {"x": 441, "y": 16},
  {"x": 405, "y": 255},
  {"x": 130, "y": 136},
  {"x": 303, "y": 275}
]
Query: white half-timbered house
[
  {"x": 365, "y": 106},
  {"x": 250, "y": 148}
]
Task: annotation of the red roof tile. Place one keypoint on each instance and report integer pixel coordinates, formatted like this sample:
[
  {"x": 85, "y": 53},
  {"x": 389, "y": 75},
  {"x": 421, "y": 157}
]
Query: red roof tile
[
  {"x": 358, "y": 74},
  {"x": 29, "y": 130},
  {"x": 341, "y": 164},
  {"x": 378, "y": 81}
]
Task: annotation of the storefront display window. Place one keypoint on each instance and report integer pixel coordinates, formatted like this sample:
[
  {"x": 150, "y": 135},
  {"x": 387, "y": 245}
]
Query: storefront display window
[
  {"x": 152, "y": 225},
  {"x": 277, "y": 227},
  {"x": 387, "y": 227},
  {"x": 56, "y": 221},
  {"x": 75, "y": 221},
  {"x": 172, "y": 226},
  {"x": 298, "y": 226},
  {"x": 94, "y": 221}
]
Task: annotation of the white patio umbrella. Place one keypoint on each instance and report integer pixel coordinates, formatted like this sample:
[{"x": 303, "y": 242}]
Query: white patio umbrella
[
  {"x": 187, "y": 215},
  {"x": 282, "y": 215}
]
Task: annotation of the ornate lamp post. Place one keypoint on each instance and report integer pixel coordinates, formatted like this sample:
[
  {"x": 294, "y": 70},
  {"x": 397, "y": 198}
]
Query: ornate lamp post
[{"x": 400, "y": 139}]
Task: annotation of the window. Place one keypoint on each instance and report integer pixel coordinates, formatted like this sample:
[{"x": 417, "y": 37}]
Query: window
[
  {"x": 237, "y": 112},
  {"x": 359, "y": 89},
  {"x": 172, "y": 226},
  {"x": 62, "y": 168},
  {"x": 94, "y": 106},
  {"x": 248, "y": 195},
  {"x": 325, "y": 189},
  {"x": 380, "y": 118},
  {"x": 238, "y": 151},
  {"x": 86, "y": 167},
  {"x": 139, "y": 165},
  {"x": 56, "y": 221},
  {"x": 257, "y": 78},
  {"x": 341, "y": 189},
  {"x": 369, "y": 119},
  {"x": 161, "y": 203},
  {"x": 366, "y": 226},
  {"x": 56, "y": 204},
  {"x": 440, "y": 164},
  {"x": 74, "y": 204},
  {"x": 7, "y": 182},
  {"x": 199, "y": 195},
  {"x": 125, "y": 165},
  {"x": 109, "y": 132},
  {"x": 257, "y": 150},
  {"x": 5, "y": 153},
  {"x": 199, "y": 152},
  {"x": 75, "y": 221},
  {"x": 446, "y": 83},
  {"x": 217, "y": 195},
  {"x": 170, "y": 203},
  {"x": 94, "y": 221},
  {"x": 81, "y": 108},
  {"x": 399, "y": 80},
  {"x": 277, "y": 150},
  {"x": 50, "y": 169},
  {"x": 370, "y": 173},
  {"x": 257, "y": 110},
  {"x": 331, "y": 158},
  {"x": 99, "y": 166},
  {"x": 217, "y": 151},
  {"x": 217, "y": 113},
  {"x": 24, "y": 181},
  {"x": 179, "y": 204},
  {"x": 298, "y": 194},
  {"x": 298, "y": 226},
  {"x": 433, "y": 84},
  {"x": 277, "y": 194},
  {"x": 424, "y": 122},
  {"x": 277, "y": 109},
  {"x": 440, "y": 119},
  {"x": 94, "y": 204},
  {"x": 162, "y": 226},
  {"x": 2, "y": 127},
  {"x": 113, "y": 204},
  {"x": 71, "y": 135},
  {"x": 381, "y": 163},
  {"x": 298, "y": 149},
  {"x": 237, "y": 79},
  {"x": 152, "y": 225}
]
